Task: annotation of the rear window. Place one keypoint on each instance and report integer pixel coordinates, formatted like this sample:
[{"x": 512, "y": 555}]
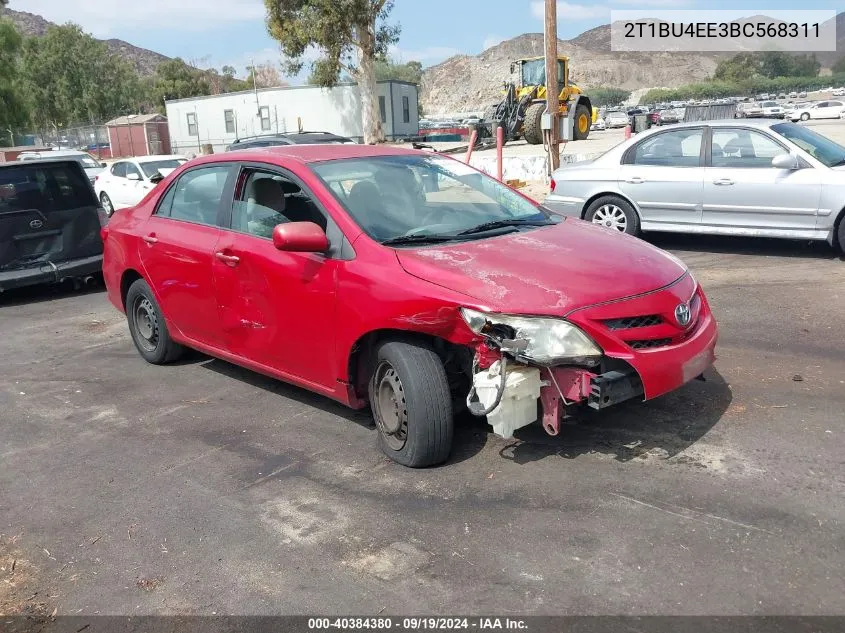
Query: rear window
[{"x": 47, "y": 187}]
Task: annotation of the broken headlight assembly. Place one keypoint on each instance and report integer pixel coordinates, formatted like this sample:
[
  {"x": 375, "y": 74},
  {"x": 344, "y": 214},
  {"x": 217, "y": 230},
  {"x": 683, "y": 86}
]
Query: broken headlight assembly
[{"x": 535, "y": 340}]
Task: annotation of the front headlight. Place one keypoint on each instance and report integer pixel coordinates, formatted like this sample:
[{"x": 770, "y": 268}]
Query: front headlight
[{"x": 549, "y": 341}]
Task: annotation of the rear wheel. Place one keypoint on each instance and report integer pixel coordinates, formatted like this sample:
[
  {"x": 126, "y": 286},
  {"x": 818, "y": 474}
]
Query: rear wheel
[
  {"x": 411, "y": 404},
  {"x": 532, "y": 126},
  {"x": 583, "y": 120},
  {"x": 106, "y": 203},
  {"x": 840, "y": 234},
  {"x": 614, "y": 213},
  {"x": 805, "y": 116},
  {"x": 147, "y": 326}
]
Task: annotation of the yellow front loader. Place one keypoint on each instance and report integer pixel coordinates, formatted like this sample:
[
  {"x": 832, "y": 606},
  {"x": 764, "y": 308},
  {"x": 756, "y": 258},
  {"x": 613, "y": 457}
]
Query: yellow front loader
[{"x": 521, "y": 111}]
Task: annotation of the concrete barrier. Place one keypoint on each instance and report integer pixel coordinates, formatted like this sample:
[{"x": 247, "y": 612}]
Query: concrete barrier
[{"x": 533, "y": 167}]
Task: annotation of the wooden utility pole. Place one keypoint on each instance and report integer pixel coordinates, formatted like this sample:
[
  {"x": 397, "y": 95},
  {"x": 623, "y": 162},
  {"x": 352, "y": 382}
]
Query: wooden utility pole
[{"x": 552, "y": 87}]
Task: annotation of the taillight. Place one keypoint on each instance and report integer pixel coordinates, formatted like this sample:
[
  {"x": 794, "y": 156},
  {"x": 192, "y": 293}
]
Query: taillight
[
  {"x": 102, "y": 216},
  {"x": 552, "y": 185}
]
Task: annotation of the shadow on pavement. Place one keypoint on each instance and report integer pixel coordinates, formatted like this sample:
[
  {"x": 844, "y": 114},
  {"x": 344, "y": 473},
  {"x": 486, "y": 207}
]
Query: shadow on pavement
[
  {"x": 471, "y": 434},
  {"x": 663, "y": 427},
  {"x": 49, "y": 292},
  {"x": 764, "y": 246}
]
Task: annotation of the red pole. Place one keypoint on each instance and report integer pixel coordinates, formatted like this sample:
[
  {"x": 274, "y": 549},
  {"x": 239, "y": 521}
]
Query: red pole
[
  {"x": 500, "y": 141},
  {"x": 472, "y": 138}
]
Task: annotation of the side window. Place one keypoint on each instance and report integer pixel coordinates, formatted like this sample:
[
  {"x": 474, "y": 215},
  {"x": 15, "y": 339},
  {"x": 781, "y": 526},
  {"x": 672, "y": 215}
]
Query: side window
[
  {"x": 119, "y": 170},
  {"x": 267, "y": 199},
  {"x": 382, "y": 108},
  {"x": 131, "y": 169},
  {"x": 679, "y": 148},
  {"x": 192, "y": 124},
  {"x": 264, "y": 113},
  {"x": 196, "y": 195},
  {"x": 229, "y": 120},
  {"x": 735, "y": 147}
]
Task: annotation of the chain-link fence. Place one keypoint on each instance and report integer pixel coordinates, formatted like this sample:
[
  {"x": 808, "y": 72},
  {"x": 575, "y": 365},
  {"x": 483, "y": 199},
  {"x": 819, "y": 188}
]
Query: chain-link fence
[{"x": 93, "y": 138}]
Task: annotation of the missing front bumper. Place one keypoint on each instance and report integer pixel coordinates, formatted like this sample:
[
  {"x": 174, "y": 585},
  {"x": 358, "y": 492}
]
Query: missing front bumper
[{"x": 613, "y": 387}]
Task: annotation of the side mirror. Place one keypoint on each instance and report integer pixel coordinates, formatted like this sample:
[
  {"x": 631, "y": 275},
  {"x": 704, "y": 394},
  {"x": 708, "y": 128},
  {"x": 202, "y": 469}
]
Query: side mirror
[
  {"x": 133, "y": 176},
  {"x": 786, "y": 161},
  {"x": 155, "y": 178},
  {"x": 103, "y": 165},
  {"x": 300, "y": 237}
]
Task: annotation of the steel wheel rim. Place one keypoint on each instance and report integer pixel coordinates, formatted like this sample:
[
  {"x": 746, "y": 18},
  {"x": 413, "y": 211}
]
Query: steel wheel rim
[
  {"x": 611, "y": 217},
  {"x": 146, "y": 323},
  {"x": 106, "y": 202},
  {"x": 391, "y": 413},
  {"x": 582, "y": 123}
]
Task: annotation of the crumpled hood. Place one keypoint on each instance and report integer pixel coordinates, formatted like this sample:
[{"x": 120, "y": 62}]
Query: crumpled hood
[{"x": 549, "y": 270}]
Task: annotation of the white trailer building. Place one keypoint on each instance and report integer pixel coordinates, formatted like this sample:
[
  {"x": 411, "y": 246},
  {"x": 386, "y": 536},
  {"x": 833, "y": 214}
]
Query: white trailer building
[{"x": 217, "y": 120}]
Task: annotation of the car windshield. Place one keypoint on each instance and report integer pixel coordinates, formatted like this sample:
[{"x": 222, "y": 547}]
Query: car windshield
[
  {"x": 151, "y": 167},
  {"x": 88, "y": 162},
  {"x": 820, "y": 147},
  {"x": 770, "y": 104},
  {"x": 395, "y": 197}
]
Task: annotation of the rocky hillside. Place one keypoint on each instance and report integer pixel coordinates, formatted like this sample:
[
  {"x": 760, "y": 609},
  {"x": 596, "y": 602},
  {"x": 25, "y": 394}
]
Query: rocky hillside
[
  {"x": 480, "y": 77},
  {"x": 591, "y": 64},
  {"x": 144, "y": 61}
]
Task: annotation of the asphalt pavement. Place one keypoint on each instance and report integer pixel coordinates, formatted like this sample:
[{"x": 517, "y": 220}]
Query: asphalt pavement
[{"x": 202, "y": 488}]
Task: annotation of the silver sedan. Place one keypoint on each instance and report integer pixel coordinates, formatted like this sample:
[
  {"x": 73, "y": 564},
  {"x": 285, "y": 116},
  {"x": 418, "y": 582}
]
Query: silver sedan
[{"x": 758, "y": 178}]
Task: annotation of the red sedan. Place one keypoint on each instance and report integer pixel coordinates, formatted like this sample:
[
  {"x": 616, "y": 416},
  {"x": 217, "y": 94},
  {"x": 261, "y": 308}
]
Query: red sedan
[{"x": 404, "y": 280}]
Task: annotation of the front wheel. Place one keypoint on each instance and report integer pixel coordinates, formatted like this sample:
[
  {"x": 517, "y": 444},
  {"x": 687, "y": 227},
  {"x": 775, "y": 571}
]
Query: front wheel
[
  {"x": 614, "y": 213},
  {"x": 411, "y": 404},
  {"x": 583, "y": 121},
  {"x": 805, "y": 116}
]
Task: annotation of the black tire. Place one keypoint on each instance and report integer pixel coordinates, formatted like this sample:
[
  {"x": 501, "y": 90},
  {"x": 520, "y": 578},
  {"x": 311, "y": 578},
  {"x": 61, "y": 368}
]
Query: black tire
[
  {"x": 805, "y": 116},
  {"x": 581, "y": 132},
  {"x": 411, "y": 404},
  {"x": 840, "y": 235},
  {"x": 532, "y": 126},
  {"x": 606, "y": 207},
  {"x": 147, "y": 326},
  {"x": 485, "y": 129},
  {"x": 106, "y": 203}
]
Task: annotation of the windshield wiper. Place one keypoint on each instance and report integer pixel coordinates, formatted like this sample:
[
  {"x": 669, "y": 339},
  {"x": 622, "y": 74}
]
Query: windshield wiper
[
  {"x": 419, "y": 239},
  {"x": 498, "y": 224}
]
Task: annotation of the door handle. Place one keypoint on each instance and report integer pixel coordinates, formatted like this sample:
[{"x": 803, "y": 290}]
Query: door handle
[
  {"x": 723, "y": 181},
  {"x": 229, "y": 260},
  {"x": 635, "y": 180},
  {"x": 150, "y": 239}
]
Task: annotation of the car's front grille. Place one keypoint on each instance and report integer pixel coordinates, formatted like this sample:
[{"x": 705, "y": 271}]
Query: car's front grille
[
  {"x": 650, "y": 343},
  {"x": 629, "y": 323}
]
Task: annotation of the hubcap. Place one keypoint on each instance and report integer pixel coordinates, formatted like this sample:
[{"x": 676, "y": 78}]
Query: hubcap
[
  {"x": 611, "y": 216},
  {"x": 146, "y": 323},
  {"x": 106, "y": 202},
  {"x": 582, "y": 123},
  {"x": 390, "y": 413}
]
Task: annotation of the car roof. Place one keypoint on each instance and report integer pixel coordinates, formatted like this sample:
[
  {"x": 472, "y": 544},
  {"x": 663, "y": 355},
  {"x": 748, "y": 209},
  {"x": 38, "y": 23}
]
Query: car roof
[
  {"x": 40, "y": 161},
  {"x": 55, "y": 152},
  {"x": 155, "y": 157},
  {"x": 311, "y": 153},
  {"x": 757, "y": 123}
]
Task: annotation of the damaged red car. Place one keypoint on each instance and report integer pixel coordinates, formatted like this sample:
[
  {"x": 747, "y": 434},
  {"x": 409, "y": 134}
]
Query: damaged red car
[{"x": 406, "y": 281}]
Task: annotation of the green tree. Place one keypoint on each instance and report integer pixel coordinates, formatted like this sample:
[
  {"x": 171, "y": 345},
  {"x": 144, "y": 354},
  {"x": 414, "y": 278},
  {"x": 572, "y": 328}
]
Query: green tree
[
  {"x": 608, "y": 96},
  {"x": 804, "y": 66},
  {"x": 408, "y": 71},
  {"x": 13, "y": 106},
  {"x": 737, "y": 68},
  {"x": 70, "y": 77},
  {"x": 174, "y": 79},
  {"x": 264, "y": 76},
  {"x": 350, "y": 35},
  {"x": 839, "y": 66}
]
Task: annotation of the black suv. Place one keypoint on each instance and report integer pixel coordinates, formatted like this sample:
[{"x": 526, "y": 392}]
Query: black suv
[
  {"x": 297, "y": 138},
  {"x": 50, "y": 223}
]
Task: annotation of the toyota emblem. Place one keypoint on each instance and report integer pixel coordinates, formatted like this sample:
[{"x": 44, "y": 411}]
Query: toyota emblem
[
  {"x": 682, "y": 314},
  {"x": 36, "y": 224}
]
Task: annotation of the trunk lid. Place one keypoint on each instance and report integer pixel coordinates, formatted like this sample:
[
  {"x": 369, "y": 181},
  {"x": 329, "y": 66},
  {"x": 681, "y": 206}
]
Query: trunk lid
[{"x": 48, "y": 213}]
